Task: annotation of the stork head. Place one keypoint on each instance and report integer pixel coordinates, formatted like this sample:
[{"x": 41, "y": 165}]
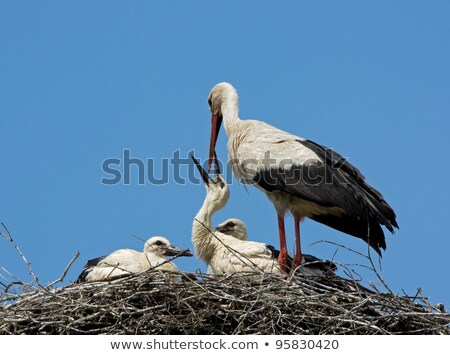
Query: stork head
[
  {"x": 217, "y": 189},
  {"x": 233, "y": 227},
  {"x": 162, "y": 247},
  {"x": 216, "y": 98}
]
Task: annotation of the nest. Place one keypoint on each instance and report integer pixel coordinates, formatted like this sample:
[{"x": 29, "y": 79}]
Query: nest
[
  {"x": 158, "y": 302},
  {"x": 150, "y": 303}
]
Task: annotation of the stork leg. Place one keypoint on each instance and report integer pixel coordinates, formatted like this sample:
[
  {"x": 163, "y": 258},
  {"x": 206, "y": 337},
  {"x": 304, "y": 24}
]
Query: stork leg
[
  {"x": 298, "y": 250},
  {"x": 283, "y": 257}
]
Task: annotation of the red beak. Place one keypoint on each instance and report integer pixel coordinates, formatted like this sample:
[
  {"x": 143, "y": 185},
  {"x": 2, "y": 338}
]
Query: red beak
[{"x": 216, "y": 122}]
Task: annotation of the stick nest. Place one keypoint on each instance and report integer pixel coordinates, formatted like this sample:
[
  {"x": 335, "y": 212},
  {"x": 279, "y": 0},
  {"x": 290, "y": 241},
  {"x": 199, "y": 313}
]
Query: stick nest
[{"x": 150, "y": 303}]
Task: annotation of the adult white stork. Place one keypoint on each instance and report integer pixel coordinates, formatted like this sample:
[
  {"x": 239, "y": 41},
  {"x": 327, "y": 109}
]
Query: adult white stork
[
  {"x": 128, "y": 261},
  {"x": 310, "y": 265},
  {"x": 224, "y": 254},
  {"x": 299, "y": 176}
]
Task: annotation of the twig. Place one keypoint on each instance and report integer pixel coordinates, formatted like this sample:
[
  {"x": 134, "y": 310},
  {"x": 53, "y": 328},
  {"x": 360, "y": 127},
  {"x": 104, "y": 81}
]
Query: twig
[
  {"x": 9, "y": 238},
  {"x": 17, "y": 282},
  {"x": 368, "y": 257},
  {"x": 61, "y": 278},
  {"x": 374, "y": 269},
  {"x": 340, "y": 246}
]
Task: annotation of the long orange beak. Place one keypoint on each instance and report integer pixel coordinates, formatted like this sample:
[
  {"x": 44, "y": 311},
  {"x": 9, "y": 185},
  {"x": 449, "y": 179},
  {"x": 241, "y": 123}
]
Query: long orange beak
[{"x": 216, "y": 122}]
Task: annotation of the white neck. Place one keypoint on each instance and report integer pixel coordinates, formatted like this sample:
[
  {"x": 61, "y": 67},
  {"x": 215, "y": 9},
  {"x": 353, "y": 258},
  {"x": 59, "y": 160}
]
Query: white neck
[
  {"x": 230, "y": 109},
  {"x": 202, "y": 227}
]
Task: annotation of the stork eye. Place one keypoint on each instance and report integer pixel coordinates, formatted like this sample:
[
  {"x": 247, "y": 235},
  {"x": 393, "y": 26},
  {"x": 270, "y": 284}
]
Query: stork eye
[
  {"x": 230, "y": 224},
  {"x": 221, "y": 182},
  {"x": 159, "y": 243}
]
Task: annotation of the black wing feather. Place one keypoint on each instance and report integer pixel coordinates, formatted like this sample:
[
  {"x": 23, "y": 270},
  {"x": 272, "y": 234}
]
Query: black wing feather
[
  {"x": 88, "y": 267},
  {"x": 315, "y": 263},
  {"x": 323, "y": 265},
  {"x": 334, "y": 182}
]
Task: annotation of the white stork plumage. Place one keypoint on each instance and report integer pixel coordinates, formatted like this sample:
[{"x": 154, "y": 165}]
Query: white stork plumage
[
  {"x": 224, "y": 254},
  {"x": 234, "y": 227},
  {"x": 310, "y": 266},
  {"x": 299, "y": 176},
  {"x": 128, "y": 261}
]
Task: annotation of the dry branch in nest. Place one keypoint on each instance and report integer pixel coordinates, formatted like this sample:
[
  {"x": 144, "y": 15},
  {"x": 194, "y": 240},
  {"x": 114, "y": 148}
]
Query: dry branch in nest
[
  {"x": 149, "y": 303},
  {"x": 153, "y": 303}
]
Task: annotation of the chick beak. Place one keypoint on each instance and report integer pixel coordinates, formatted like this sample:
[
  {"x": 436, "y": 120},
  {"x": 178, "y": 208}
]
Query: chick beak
[
  {"x": 205, "y": 177},
  {"x": 171, "y": 250}
]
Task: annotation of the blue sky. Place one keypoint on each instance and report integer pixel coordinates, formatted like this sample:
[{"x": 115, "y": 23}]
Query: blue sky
[{"x": 80, "y": 82}]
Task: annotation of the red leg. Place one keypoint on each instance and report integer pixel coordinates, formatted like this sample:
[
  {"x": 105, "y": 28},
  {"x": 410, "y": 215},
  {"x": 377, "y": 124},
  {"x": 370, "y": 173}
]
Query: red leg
[
  {"x": 283, "y": 257},
  {"x": 298, "y": 252}
]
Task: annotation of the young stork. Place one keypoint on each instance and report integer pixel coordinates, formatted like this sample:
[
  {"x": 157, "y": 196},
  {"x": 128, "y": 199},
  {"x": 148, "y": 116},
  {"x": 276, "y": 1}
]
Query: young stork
[
  {"x": 234, "y": 227},
  {"x": 128, "y": 261},
  {"x": 299, "y": 176},
  {"x": 310, "y": 266},
  {"x": 224, "y": 254}
]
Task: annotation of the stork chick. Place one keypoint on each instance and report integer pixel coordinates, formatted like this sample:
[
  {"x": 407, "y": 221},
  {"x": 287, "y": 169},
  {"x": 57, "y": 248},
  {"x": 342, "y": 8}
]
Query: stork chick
[
  {"x": 224, "y": 254},
  {"x": 310, "y": 266},
  {"x": 128, "y": 261}
]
